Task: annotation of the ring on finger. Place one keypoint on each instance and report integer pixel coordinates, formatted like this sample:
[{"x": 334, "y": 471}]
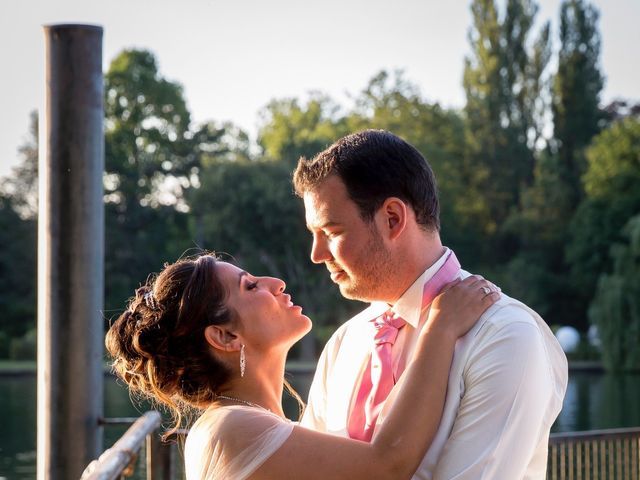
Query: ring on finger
[{"x": 486, "y": 290}]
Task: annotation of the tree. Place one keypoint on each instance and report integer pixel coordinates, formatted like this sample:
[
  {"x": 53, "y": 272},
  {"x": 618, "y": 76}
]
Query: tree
[
  {"x": 504, "y": 81},
  {"x": 151, "y": 158},
  {"x": 22, "y": 185},
  {"x": 392, "y": 103},
  {"x": 291, "y": 130},
  {"x": 248, "y": 209},
  {"x": 615, "y": 309},
  {"x": 612, "y": 198},
  {"x": 577, "y": 85},
  {"x": 147, "y": 156},
  {"x": 538, "y": 274},
  {"x": 540, "y": 270},
  {"x": 18, "y": 237}
]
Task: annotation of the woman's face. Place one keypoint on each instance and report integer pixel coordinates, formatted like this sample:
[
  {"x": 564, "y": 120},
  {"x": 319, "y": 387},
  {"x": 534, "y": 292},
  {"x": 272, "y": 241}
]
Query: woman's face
[{"x": 267, "y": 317}]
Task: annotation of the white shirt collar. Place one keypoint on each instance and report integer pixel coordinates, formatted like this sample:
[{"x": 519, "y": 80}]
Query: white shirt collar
[{"x": 409, "y": 305}]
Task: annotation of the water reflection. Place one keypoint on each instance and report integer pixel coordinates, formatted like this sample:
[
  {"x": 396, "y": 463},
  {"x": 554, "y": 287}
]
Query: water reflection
[{"x": 595, "y": 401}]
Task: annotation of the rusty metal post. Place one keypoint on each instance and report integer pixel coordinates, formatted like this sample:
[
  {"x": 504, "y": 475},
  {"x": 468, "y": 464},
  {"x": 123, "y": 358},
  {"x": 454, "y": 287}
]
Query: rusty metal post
[
  {"x": 160, "y": 458},
  {"x": 70, "y": 253}
]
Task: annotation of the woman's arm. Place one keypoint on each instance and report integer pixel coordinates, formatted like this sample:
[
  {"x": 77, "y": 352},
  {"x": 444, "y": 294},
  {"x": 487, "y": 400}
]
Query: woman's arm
[{"x": 405, "y": 435}]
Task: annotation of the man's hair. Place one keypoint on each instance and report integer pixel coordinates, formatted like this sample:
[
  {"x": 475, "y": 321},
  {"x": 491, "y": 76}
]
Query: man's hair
[{"x": 375, "y": 165}]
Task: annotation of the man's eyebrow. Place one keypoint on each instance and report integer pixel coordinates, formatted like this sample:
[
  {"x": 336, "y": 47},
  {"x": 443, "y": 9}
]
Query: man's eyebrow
[
  {"x": 323, "y": 226},
  {"x": 240, "y": 275}
]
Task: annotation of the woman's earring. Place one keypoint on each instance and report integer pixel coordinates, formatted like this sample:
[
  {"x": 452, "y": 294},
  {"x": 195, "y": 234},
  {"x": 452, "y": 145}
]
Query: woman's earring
[{"x": 243, "y": 361}]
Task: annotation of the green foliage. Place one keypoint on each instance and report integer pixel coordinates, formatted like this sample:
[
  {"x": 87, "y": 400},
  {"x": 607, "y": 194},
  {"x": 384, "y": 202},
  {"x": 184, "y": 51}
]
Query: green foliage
[
  {"x": 539, "y": 226},
  {"x": 291, "y": 130},
  {"x": 612, "y": 198},
  {"x": 18, "y": 232},
  {"x": 24, "y": 347},
  {"x": 537, "y": 215},
  {"x": 616, "y": 306},
  {"x": 538, "y": 274},
  {"x": 614, "y": 162},
  {"x": 22, "y": 186},
  {"x": 577, "y": 85},
  {"x": 247, "y": 209},
  {"x": 17, "y": 270},
  {"x": 146, "y": 134},
  {"x": 151, "y": 158},
  {"x": 505, "y": 85},
  {"x": 392, "y": 103}
]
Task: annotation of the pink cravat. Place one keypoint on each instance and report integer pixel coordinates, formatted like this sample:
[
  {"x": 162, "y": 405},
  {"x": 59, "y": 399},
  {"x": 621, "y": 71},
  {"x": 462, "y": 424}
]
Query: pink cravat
[
  {"x": 378, "y": 378},
  {"x": 445, "y": 274}
]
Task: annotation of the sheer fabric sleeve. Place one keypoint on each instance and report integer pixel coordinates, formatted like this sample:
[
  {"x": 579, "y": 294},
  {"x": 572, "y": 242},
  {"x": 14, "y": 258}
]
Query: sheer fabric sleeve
[{"x": 232, "y": 442}]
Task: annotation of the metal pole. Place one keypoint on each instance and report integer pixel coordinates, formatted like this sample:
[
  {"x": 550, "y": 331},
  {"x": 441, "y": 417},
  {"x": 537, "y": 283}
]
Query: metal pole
[
  {"x": 70, "y": 253},
  {"x": 160, "y": 458}
]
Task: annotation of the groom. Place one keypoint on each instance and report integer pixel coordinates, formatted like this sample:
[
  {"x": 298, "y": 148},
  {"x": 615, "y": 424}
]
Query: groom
[{"x": 372, "y": 208}]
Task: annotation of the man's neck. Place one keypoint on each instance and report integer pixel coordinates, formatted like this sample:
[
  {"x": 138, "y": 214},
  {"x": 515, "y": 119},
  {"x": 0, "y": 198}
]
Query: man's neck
[{"x": 418, "y": 256}]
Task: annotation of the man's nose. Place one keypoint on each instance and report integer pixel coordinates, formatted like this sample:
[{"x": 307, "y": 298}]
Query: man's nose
[{"x": 319, "y": 250}]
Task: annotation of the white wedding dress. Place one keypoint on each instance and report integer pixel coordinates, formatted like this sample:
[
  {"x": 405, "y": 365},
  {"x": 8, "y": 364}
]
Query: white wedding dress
[{"x": 232, "y": 442}]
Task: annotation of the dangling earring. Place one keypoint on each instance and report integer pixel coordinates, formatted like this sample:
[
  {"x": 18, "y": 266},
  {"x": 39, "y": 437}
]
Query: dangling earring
[{"x": 243, "y": 361}]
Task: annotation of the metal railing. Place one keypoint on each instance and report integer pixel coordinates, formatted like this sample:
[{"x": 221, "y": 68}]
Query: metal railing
[
  {"x": 122, "y": 458},
  {"x": 597, "y": 454},
  {"x": 592, "y": 455}
]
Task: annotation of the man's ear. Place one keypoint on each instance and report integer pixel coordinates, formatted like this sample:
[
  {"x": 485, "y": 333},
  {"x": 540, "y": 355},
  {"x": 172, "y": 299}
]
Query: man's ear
[
  {"x": 222, "y": 339},
  {"x": 393, "y": 217}
]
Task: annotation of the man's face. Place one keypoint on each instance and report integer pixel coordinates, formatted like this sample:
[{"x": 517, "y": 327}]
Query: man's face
[{"x": 352, "y": 249}]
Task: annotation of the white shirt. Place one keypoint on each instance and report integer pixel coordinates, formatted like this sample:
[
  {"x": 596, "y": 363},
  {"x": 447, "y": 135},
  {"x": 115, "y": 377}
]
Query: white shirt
[{"x": 506, "y": 386}]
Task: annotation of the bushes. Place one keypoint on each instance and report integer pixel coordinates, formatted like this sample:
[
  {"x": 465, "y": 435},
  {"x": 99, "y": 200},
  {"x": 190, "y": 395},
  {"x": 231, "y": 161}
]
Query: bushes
[
  {"x": 616, "y": 306},
  {"x": 25, "y": 347}
]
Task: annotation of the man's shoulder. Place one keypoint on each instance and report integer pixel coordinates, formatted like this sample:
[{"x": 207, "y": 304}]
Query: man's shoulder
[
  {"x": 508, "y": 311},
  {"x": 510, "y": 324}
]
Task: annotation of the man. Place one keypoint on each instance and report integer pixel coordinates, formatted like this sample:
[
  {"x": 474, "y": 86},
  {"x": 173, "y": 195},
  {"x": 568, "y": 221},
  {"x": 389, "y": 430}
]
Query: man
[{"x": 372, "y": 208}]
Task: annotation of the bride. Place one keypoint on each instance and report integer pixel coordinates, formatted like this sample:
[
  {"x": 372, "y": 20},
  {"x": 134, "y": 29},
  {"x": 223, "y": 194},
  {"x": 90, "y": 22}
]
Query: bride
[{"x": 209, "y": 335}]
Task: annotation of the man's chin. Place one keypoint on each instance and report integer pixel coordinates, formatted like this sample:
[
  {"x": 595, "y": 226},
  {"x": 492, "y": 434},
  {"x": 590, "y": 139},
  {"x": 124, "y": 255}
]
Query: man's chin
[{"x": 353, "y": 293}]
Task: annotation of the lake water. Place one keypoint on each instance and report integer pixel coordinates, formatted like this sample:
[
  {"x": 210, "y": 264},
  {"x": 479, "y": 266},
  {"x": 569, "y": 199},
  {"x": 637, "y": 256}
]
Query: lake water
[{"x": 593, "y": 401}]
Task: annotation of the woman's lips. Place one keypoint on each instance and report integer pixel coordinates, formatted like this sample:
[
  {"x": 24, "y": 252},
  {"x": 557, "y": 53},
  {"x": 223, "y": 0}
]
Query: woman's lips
[{"x": 290, "y": 303}]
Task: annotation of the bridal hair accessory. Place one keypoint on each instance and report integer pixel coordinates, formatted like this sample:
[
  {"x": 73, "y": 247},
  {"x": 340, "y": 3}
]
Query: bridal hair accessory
[
  {"x": 149, "y": 300},
  {"x": 243, "y": 363}
]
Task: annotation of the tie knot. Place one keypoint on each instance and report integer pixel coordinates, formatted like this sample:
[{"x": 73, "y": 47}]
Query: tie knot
[{"x": 387, "y": 326}]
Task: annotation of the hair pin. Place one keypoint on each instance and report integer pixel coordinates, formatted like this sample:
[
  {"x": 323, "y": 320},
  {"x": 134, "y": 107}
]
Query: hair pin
[{"x": 149, "y": 300}]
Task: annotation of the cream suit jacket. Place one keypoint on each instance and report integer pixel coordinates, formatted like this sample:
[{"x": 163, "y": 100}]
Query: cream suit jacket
[{"x": 506, "y": 386}]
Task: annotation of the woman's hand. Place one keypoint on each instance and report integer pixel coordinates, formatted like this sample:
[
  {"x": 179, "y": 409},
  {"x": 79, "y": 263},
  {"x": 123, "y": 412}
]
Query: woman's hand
[{"x": 461, "y": 303}]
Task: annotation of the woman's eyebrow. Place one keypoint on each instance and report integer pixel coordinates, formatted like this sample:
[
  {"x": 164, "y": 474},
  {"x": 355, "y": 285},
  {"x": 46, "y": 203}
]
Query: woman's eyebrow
[{"x": 240, "y": 275}]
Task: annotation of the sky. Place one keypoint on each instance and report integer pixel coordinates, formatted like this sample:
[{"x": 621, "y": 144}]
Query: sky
[{"x": 232, "y": 57}]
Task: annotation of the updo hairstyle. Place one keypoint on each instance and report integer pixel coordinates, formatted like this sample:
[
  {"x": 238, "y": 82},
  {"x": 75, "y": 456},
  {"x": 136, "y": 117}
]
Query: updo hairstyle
[{"x": 158, "y": 344}]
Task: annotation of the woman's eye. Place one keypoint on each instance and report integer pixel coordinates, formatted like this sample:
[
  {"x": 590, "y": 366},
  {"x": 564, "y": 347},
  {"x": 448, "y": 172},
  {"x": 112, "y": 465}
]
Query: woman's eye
[{"x": 251, "y": 285}]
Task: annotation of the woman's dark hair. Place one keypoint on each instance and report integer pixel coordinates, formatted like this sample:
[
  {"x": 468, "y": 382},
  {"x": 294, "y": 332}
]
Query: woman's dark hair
[
  {"x": 375, "y": 165},
  {"x": 158, "y": 344}
]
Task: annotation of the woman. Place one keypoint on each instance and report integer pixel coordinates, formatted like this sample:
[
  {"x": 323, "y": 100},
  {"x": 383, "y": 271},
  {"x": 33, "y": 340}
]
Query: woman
[{"x": 209, "y": 335}]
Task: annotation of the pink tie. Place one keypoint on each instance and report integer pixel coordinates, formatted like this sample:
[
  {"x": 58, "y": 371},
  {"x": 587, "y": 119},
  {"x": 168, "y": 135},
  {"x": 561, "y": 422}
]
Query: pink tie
[
  {"x": 378, "y": 377},
  {"x": 377, "y": 380}
]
